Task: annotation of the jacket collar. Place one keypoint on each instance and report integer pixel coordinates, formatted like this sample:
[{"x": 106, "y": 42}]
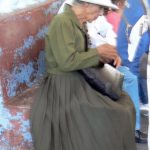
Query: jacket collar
[{"x": 69, "y": 12}]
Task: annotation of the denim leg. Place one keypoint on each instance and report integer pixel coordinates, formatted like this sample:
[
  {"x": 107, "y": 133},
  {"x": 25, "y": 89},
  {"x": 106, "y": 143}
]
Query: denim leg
[
  {"x": 143, "y": 90},
  {"x": 130, "y": 85}
]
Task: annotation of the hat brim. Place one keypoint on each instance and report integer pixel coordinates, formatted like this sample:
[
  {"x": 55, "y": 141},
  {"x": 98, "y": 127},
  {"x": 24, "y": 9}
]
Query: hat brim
[{"x": 110, "y": 5}]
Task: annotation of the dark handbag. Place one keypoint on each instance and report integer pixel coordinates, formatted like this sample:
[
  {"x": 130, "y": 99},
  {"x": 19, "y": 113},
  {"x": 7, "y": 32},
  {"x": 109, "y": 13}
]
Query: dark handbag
[{"x": 107, "y": 80}]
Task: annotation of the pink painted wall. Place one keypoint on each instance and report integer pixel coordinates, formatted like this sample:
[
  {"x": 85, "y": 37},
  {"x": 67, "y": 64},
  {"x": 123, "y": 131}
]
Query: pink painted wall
[
  {"x": 21, "y": 64},
  {"x": 21, "y": 40}
]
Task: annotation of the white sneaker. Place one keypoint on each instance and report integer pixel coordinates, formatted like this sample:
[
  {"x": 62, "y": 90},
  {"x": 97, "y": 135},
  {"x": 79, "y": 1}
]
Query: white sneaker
[{"x": 144, "y": 108}]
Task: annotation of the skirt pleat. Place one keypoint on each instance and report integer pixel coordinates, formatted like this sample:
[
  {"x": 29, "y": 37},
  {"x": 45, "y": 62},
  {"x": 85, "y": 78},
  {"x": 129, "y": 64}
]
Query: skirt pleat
[{"x": 69, "y": 115}]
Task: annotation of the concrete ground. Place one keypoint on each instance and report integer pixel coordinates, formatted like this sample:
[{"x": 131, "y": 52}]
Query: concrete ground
[{"x": 144, "y": 123}]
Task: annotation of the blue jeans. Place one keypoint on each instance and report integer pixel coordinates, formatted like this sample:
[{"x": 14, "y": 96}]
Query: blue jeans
[
  {"x": 130, "y": 86},
  {"x": 143, "y": 90}
]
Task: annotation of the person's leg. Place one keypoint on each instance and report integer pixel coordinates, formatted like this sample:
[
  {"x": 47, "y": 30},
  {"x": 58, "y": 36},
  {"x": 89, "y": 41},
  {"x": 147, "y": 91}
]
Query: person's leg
[
  {"x": 130, "y": 85},
  {"x": 143, "y": 90}
]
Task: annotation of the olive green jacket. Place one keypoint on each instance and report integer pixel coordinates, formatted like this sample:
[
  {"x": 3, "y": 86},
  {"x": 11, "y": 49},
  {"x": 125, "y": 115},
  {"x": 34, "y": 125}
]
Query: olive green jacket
[{"x": 65, "y": 45}]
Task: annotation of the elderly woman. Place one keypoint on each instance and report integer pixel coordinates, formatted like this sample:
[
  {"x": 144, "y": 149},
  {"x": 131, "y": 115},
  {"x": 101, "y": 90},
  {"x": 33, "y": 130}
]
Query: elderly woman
[{"x": 68, "y": 114}]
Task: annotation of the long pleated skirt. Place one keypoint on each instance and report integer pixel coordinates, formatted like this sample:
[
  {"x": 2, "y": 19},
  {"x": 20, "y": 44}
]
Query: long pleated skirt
[{"x": 69, "y": 115}]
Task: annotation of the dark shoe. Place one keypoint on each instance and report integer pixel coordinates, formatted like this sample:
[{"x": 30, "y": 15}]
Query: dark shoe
[
  {"x": 141, "y": 134},
  {"x": 140, "y": 137},
  {"x": 140, "y": 140}
]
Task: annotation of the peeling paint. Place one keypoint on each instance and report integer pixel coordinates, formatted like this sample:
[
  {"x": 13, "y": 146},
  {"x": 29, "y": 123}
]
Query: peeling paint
[
  {"x": 1, "y": 50},
  {"x": 4, "y": 123},
  {"x": 25, "y": 74},
  {"x": 41, "y": 33},
  {"x": 14, "y": 122},
  {"x": 30, "y": 41},
  {"x": 20, "y": 74},
  {"x": 53, "y": 8},
  {"x": 7, "y": 125},
  {"x": 41, "y": 64}
]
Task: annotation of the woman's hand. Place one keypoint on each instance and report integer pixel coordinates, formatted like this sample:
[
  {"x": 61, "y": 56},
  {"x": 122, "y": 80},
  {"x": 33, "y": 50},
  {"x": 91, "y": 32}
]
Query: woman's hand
[
  {"x": 117, "y": 61},
  {"x": 108, "y": 53}
]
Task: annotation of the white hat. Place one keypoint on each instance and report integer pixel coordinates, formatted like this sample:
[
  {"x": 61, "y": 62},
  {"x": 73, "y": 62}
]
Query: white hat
[{"x": 106, "y": 3}]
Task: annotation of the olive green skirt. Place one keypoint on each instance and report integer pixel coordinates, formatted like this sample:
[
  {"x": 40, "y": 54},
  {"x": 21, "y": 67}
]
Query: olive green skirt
[{"x": 69, "y": 115}]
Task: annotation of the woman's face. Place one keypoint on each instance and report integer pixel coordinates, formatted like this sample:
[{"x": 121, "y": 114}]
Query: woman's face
[{"x": 92, "y": 12}]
